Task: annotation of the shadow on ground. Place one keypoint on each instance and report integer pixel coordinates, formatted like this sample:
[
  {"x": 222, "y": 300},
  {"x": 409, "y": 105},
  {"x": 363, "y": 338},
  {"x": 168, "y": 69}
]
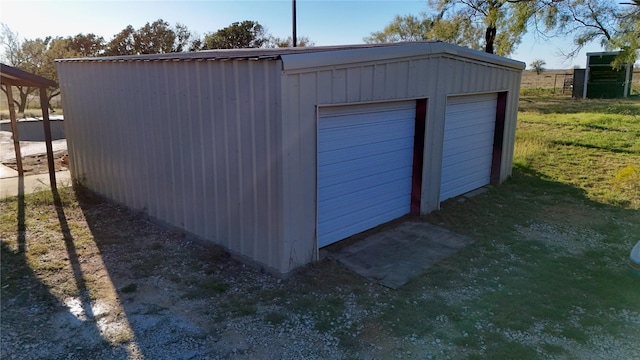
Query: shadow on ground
[{"x": 545, "y": 255}]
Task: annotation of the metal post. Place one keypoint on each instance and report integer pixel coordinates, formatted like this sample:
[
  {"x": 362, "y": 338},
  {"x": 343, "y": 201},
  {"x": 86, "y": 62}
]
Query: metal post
[
  {"x": 295, "y": 35},
  {"x": 44, "y": 104},
  {"x": 586, "y": 78},
  {"x": 14, "y": 130},
  {"x": 627, "y": 81}
]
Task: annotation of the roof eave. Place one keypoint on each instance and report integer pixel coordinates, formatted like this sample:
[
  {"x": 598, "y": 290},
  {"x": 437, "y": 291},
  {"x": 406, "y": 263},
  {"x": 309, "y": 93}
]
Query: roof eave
[
  {"x": 16, "y": 77},
  {"x": 343, "y": 57}
]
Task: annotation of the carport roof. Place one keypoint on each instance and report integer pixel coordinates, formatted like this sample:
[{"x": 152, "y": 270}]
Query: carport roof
[{"x": 16, "y": 77}]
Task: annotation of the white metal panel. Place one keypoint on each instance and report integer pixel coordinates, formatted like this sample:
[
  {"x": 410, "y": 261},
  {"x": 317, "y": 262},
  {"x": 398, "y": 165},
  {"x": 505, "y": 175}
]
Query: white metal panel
[
  {"x": 195, "y": 144},
  {"x": 365, "y": 157},
  {"x": 468, "y": 143}
]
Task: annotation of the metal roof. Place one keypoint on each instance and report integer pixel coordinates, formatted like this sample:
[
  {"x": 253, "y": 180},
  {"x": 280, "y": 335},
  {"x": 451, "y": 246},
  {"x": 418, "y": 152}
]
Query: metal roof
[
  {"x": 305, "y": 57},
  {"x": 228, "y": 54},
  {"x": 16, "y": 77}
]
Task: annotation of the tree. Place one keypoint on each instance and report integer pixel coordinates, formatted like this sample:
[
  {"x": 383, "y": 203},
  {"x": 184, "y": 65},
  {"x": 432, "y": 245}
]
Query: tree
[
  {"x": 614, "y": 27},
  {"x": 403, "y": 28},
  {"x": 86, "y": 45},
  {"x": 628, "y": 38},
  {"x": 245, "y": 34},
  {"x": 538, "y": 66},
  {"x": 37, "y": 56},
  {"x": 27, "y": 55},
  {"x": 503, "y": 22},
  {"x": 122, "y": 43},
  {"x": 152, "y": 38},
  {"x": 497, "y": 26},
  {"x": 276, "y": 42},
  {"x": 586, "y": 20},
  {"x": 457, "y": 30}
]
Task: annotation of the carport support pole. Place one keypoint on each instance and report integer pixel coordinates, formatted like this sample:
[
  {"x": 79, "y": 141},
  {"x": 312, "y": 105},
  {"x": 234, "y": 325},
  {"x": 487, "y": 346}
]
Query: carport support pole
[
  {"x": 14, "y": 129},
  {"x": 44, "y": 104}
]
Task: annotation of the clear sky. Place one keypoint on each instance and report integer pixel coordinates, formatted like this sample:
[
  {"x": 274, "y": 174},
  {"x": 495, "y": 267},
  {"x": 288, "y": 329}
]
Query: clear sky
[{"x": 326, "y": 22}]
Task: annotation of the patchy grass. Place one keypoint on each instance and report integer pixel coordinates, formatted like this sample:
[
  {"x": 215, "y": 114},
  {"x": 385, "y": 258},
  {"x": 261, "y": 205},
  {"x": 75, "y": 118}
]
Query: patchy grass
[
  {"x": 591, "y": 144},
  {"x": 546, "y": 278}
]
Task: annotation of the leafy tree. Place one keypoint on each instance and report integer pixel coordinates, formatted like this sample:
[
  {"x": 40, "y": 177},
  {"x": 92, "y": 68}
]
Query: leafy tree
[
  {"x": 37, "y": 57},
  {"x": 628, "y": 37},
  {"x": 152, "y": 38},
  {"x": 538, "y": 66},
  {"x": 245, "y": 34},
  {"x": 86, "y": 45},
  {"x": 11, "y": 44},
  {"x": 276, "y": 42},
  {"x": 497, "y": 26},
  {"x": 28, "y": 55},
  {"x": 615, "y": 27},
  {"x": 457, "y": 30},
  {"x": 122, "y": 43},
  {"x": 403, "y": 28},
  {"x": 503, "y": 22}
]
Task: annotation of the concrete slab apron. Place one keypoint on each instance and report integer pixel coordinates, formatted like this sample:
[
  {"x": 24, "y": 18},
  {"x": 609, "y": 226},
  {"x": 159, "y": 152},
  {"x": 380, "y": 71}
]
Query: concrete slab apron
[{"x": 392, "y": 257}]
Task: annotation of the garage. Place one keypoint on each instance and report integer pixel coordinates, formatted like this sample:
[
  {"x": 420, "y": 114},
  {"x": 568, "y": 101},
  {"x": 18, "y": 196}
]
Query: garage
[
  {"x": 468, "y": 143},
  {"x": 276, "y": 153},
  {"x": 365, "y": 158}
]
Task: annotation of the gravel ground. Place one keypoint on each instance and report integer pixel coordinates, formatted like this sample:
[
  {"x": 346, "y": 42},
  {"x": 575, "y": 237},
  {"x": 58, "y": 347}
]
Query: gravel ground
[{"x": 139, "y": 291}]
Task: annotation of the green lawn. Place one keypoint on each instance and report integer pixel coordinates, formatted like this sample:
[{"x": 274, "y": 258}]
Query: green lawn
[{"x": 593, "y": 145}]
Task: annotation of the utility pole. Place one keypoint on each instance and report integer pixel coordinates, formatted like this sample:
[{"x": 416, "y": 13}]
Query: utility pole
[{"x": 295, "y": 35}]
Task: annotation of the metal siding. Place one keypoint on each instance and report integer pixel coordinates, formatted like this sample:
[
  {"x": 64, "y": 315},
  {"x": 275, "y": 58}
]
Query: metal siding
[
  {"x": 379, "y": 86},
  {"x": 324, "y": 82},
  {"x": 194, "y": 144},
  {"x": 434, "y": 132},
  {"x": 157, "y": 157},
  {"x": 339, "y": 86},
  {"x": 354, "y": 84},
  {"x": 432, "y": 77},
  {"x": 366, "y": 83},
  {"x": 299, "y": 98},
  {"x": 282, "y": 130},
  {"x": 511, "y": 113}
]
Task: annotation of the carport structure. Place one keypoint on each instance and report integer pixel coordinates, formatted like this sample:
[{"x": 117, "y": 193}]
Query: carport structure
[{"x": 11, "y": 76}]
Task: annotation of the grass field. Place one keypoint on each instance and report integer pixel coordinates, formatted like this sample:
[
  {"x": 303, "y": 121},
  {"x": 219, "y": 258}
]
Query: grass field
[
  {"x": 593, "y": 145},
  {"x": 547, "y": 277},
  {"x": 551, "y": 81}
]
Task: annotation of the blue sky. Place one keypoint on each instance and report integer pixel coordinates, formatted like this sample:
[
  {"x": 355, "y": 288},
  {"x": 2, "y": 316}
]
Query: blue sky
[{"x": 326, "y": 22}]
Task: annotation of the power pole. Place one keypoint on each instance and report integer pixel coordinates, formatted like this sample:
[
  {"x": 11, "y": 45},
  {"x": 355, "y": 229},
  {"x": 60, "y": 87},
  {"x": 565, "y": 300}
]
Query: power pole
[{"x": 295, "y": 35}]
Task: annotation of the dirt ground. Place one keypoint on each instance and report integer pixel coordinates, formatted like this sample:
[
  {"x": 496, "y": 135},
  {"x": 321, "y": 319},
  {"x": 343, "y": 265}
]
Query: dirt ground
[
  {"x": 88, "y": 279},
  {"x": 37, "y": 164}
]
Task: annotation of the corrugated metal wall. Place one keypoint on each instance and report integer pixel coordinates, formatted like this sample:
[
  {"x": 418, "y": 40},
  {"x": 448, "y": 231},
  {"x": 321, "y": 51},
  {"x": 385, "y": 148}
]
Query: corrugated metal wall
[
  {"x": 433, "y": 77},
  {"x": 193, "y": 143},
  {"x": 227, "y": 149}
]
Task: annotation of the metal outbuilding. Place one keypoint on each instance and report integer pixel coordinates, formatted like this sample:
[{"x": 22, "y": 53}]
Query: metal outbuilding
[
  {"x": 604, "y": 81},
  {"x": 275, "y": 153}
]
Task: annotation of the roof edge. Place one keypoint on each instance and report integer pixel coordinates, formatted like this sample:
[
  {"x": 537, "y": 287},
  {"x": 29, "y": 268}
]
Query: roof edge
[
  {"x": 15, "y": 76},
  {"x": 399, "y": 50},
  {"x": 475, "y": 54}
]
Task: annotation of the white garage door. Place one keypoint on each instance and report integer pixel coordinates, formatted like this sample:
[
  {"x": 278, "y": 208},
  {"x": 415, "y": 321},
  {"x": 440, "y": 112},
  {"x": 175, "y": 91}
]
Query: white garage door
[
  {"x": 468, "y": 143},
  {"x": 365, "y": 155}
]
